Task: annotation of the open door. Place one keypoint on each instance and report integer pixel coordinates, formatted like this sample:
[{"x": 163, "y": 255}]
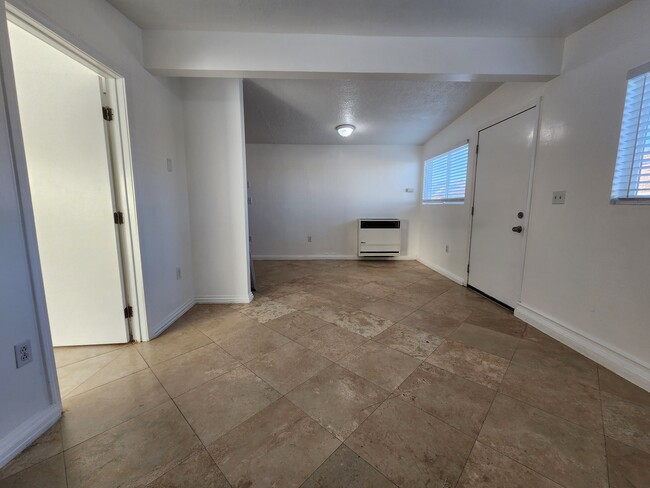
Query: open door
[{"x": 71, "y": 184}]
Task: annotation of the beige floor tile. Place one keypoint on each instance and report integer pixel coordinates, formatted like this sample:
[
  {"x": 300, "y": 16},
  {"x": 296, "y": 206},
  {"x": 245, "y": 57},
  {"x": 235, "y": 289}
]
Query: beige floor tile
[
  {"x": 173, "y": 342},
  {"x": 187, "y": 371},
  {"x": 127, "y": 362},
  {"x": 284, "y": 289},
  {"x": 414, "y": 342},
  {"x": 300, "y": 300},
  {"x": 288, "y": 366},
  {"x": 626, "y": 421},
  {"x": 217, "y": 406},
  {"x": 338, "y": 399},
  {"x": 410, "y": 447},
  {"x": 375, "y": 290},
  {"x": 280, "y": 446},
  {"x": 49, "y": 473},
  {"x": 95, "y": 411},
  {"x": 197, "y": 471},
  {"x": 73, "y": 354},
  {"x": 461, "y": 403},
  {"x": 558, "y": 358},
  {"x": 46, "y": 446},
  {"x": 534, "y": 335},
  {"x": 562, "y": 451},
  {"x": 380, "y": 364},
  {"x": 628, "y": 467},
  {"x": 497, "y": 319},
  {"x": 486, "y": 468},
  {"x": 389, "y": 310},
  {"x": 265, "y": 310},
  {"x": 133, "y": 453},
  {"x": 408, "y": 297},
  {"x": 346, "y": 298},
  {"x": 73, "y": 375},
  {"x": 332, "y": 341},
  {"x": 447, "y": 307},
  {"x": 250, "y": 342},
  {"x": 346, "y": 469},
  {"x": 487, "y": 340},
  {"x": 226, "y": 323},
  {"x": 295, "y": 324},
  {"x": 615, "y": 385},
  {"x": 437, "y": 325},
  {"x": 555, "y": 394},
  {"x": 327, "y": 310},
  {"x": 364, "y": 323},
  {"x": 470, "y": 363},
  {"x": 429, "y": 288},
  {"x": 203, "y": 314}
]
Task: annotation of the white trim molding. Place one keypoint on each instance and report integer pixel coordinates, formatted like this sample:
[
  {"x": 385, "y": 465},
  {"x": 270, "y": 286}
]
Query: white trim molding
[
  {"x": 444, "y": 272},
  {"x": 621, "y": 363},
  {"x": 27, "y": 432},
  {"x": 225, "y": 298},
  {"x": 338, "y": 257},
  {"x": 172, "y": 317}
]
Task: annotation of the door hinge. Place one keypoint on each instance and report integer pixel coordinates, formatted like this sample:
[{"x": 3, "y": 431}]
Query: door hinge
[
  {"x": 468, "y": 268},
  {"x": 472, "y": 210},
  {"x": 107, "y": 113},
  {"x": 477, "y": 149},
  {"x": 128, "y": 312},
  {"x": 118, "y": 218}
]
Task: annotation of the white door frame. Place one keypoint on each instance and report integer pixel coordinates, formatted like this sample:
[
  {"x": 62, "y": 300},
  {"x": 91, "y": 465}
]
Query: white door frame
[
  {"x": 124, "y": 186},
  {"x": 533, "y": 104}
]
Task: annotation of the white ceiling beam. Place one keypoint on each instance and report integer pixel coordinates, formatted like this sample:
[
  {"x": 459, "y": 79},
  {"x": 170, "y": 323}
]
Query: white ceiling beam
[{"x": 233, "y": 54}]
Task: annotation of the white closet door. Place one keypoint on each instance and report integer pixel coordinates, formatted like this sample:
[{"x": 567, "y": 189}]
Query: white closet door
[
  {"x": 71, "y": 188},
  {"x": 499, "y": 225}
]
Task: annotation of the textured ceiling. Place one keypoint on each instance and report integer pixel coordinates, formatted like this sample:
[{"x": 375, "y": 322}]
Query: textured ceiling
[
  {"x": 384, "y": 111},
  {"x": 475, "y": 18}
]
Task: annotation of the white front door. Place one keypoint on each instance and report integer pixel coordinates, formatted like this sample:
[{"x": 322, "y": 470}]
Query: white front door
[
  {"x": 70, "y": 182},
  {"x": 501, "y": 191}
]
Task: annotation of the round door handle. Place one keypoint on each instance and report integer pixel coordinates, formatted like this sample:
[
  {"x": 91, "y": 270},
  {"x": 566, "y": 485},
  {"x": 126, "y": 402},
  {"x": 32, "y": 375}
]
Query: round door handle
[{"x": 518, "y": 229}]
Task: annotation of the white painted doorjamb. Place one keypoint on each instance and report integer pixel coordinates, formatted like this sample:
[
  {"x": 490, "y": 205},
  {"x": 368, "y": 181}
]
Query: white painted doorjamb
[
  {"x": 533, "y": 104},
  {"x": 122, "y": 162}
]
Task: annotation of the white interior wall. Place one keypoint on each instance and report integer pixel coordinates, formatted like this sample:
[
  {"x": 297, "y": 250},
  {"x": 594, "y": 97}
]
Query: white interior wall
[
  {"x": 214, "y": 131},
  {"x": 586, "y": 265},
  {"x": 321, "y": 191},
  {"x": 26, "y": 406},
  {"x": 156, "y": 130}
]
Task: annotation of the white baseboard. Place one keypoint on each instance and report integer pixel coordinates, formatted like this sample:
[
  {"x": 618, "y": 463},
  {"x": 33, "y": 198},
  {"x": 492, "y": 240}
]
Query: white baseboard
[
  {"x": 338, "y": 257},
  {"x": 172, "y": 317},
  {"x": 31, "y": 429},
  {"x": 621, "y": 363},
  {"x": 444, "y": 272},
  {"x": 225, "y": 298}
]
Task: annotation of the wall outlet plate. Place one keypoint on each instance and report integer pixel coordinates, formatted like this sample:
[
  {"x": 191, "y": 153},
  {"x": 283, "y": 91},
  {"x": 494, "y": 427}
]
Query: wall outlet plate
[
  {"x": 169, "y": 164},
  {"x": 308, "y": 238},
  {"x": 178, "y": 273},
  {"x": 559, "y": 197},
  {"x": 23, "y": 353},
  {"x": 410, "y": 190}
]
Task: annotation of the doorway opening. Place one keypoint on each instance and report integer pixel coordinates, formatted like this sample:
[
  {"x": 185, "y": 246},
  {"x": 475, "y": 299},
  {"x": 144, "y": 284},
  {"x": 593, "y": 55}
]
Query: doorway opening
[{"x": 73, "y": 121}]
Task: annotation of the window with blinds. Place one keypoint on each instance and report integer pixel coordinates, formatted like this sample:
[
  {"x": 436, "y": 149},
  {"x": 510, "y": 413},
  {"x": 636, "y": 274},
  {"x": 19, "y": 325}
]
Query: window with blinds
[
  {"x": 632, "y": 174},
  {"x": 445, "y": 177}
]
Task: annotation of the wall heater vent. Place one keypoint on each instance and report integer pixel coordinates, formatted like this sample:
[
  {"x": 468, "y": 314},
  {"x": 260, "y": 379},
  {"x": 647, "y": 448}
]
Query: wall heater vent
[{"x": 380, "y": 237}]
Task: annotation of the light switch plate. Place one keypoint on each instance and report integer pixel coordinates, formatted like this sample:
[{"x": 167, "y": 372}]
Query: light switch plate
[{"x": 559, "y": 197}]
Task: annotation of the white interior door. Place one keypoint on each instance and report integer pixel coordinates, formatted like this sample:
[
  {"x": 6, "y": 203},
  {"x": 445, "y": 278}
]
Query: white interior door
[
  {"x": 499, "y": 225},
  {"x": 71, "y": 187}
]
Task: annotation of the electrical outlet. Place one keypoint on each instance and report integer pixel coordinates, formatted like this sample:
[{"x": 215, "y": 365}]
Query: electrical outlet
[
  {"x": 559, "y": 197},
  {"x": 410, "y": 190},
  {"x": 23, "y": 352},
  {"x": 308, "y": 238},
  {"x": 169, "y": 164},
  {"x": 178, "y": 273},
  {"x": 447, "y": 248}
]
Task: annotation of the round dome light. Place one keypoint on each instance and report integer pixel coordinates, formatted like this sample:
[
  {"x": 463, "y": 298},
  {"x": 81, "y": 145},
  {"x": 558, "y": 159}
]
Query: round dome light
[{"x": 345, "y": 130}]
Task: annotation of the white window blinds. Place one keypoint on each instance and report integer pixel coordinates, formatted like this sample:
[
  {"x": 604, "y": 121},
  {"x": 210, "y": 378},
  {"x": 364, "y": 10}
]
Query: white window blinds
[
  {"x": 445, "y": 177},
  {"x": 632, "y": 174}
]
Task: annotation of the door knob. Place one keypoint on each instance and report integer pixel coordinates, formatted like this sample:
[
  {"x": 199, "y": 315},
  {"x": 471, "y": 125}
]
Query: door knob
[{"x": 518, "y": 229}]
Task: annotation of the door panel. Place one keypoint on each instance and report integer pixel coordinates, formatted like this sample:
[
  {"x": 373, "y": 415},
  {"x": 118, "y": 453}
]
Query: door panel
[
  {"x": 71, "y": 187},
  {"x": 503, "y": 167}
]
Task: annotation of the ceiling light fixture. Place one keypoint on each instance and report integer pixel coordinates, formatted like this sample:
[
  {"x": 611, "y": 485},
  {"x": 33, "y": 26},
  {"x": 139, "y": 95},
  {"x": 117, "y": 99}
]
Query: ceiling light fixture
[{"x": 345, "y": 130}]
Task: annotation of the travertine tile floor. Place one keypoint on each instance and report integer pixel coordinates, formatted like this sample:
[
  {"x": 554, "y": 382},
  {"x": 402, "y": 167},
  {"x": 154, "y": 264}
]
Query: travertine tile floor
[{"x": 342, "y": 374}]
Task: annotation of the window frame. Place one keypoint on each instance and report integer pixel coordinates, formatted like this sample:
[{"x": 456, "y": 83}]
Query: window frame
[
  {"x": 615, "y": 199},
  {"x": 446, "y": 200}
]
